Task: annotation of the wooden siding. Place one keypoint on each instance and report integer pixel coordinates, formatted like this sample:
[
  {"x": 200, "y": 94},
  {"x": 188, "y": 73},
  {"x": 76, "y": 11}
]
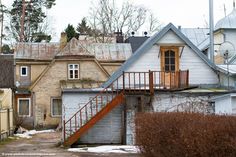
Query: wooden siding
[
  {"x": 170, "y": 38},
  {"x": 108, "y": 130},
  {"x": 199, "y": 71}
]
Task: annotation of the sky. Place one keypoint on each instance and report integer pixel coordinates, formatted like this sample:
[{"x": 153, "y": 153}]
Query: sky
[{"x": 184, "y": 13}]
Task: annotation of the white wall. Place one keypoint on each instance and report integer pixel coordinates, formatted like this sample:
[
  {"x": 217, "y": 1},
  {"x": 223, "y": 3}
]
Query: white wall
[
  {"x": 107, "y": 130},
  {"x": 223, "y": 105},
  {"x": 199, "y": 71}
]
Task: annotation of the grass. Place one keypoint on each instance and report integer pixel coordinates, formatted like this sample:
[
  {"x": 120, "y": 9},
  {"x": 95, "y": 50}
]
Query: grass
[{"x": 8, "y": 140}]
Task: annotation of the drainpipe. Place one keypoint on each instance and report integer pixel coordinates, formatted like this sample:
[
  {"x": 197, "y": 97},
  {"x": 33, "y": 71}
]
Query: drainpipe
[{"x": 211, "y": 24}]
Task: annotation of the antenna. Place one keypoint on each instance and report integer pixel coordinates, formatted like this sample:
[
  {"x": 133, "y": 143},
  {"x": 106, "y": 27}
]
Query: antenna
[
  {"x": 234, "y": 4},
  {"x": 227, "y": 51}
]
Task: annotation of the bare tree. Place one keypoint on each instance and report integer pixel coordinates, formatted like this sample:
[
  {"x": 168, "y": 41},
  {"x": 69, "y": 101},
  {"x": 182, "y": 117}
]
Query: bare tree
[{"x": 106, "y": 18}]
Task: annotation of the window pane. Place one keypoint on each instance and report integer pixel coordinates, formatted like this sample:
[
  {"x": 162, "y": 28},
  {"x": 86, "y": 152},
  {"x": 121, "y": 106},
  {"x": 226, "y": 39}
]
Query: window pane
[
  {"x": 76, "y": 73},
  {"x": 167, "y": 68},
  {"x": 23, "y": 71},
  {"x": 172, "y": 67},
  {"x": 23, "y": 107},
  {"x": 167, "y": 61},
  {"x": 172, "y": 54},
  {"x": 56, "y": 107},
  {"x": 172, "y": 61},
  {"x": 71, "y": 73},
  {"x": 167, "y": 54},
  {"x": 76, "y": 66},
  {"x": 71, "y": 66}
]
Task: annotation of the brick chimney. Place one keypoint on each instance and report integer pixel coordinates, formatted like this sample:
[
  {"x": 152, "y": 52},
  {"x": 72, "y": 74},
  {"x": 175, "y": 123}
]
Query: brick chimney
[
  {"x": 63, "y": 40},
  {"x": 119, "y": 37}
]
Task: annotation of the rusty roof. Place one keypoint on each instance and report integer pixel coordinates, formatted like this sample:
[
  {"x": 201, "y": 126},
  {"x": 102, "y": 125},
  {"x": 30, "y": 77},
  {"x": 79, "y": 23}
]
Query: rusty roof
[
  {"x": 38, "y": 51},
  {"x": 102, "y": 51}
]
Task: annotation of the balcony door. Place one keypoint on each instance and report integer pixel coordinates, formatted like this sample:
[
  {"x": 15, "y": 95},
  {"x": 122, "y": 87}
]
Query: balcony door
[{"x": 169, "y": 66}]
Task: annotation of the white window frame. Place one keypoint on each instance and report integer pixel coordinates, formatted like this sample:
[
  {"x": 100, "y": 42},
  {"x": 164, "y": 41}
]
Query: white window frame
[
  {"x": 18, "y": 107},
  {"x": 52, "y": 107},
  {"x": 26, "y": 71},
  {"x": 74, "y": 69}
]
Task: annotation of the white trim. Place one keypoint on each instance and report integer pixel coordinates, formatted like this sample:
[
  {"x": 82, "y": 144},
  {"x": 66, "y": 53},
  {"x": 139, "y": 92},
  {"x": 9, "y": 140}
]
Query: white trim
[
  {"x": 51, "y": 106},
  {"x": 73, "y": 69},
  {"x": 26, "y": 71},
  {"x": 18, "y": 103}
]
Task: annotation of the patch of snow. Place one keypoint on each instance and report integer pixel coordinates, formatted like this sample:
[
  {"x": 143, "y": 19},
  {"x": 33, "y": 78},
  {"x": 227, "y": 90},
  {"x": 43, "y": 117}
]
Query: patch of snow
[
  {"x": 28, "y": 134},
  {"x": 107, "y": 149}
]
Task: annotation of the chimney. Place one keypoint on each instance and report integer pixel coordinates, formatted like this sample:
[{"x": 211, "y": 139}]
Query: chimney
[
  {"x": 119, "y": 37},
  {"x": 179, "y": 28},
  {"x": 63, "y": 40}
]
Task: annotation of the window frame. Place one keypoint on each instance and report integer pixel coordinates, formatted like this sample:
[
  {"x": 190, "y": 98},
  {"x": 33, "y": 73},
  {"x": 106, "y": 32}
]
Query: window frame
[
  {"x": 52, "y": 115},
  {"x": 18, "y": 107},
  {"x": 73, "y": 69},
  {"x": 26, "y": 71}
]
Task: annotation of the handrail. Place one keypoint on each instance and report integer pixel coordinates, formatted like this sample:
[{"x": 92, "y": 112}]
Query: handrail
[{"x": 127, "y": 82}]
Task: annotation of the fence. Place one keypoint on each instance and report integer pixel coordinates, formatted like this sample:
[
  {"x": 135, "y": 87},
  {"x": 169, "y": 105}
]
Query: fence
[{"x": 6, "y": 123}]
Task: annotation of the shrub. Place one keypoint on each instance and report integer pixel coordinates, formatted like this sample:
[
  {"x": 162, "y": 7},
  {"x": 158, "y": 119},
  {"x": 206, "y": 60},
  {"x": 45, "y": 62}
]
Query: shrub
[{"x": 185, "y": 135}]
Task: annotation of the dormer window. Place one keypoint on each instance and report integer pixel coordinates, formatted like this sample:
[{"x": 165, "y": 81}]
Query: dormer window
[
  {"x": 23, "y": 71},
  {"x": 73, "y": 71}
]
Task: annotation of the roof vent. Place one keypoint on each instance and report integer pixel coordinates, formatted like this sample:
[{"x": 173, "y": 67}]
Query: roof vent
[
  {"x": 179, "y": 27},
  {"x": 132, "y": 33},
  {"x": 145, "y": 33}
]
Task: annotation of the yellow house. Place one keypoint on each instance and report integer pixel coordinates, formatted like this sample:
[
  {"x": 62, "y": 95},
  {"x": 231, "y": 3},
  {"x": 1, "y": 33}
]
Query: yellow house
[{"x": 43, "y": 70}]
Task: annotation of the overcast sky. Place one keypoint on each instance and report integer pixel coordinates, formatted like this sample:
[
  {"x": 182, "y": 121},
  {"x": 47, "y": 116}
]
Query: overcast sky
[{"x": 187, "y": 13}]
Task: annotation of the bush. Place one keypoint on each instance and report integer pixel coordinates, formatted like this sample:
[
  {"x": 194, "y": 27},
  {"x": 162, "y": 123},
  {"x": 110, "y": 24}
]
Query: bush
[{"x": 185, "y": 135}]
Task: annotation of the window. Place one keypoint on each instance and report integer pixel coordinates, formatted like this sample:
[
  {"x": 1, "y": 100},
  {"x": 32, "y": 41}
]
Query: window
[
  {"x": 56, "y": 107},
  {"x": 24, "y": 107},
  {"x": 23, "y": 70},
  {"x": 169, "y": 60},
  {"x": 73, "y": 71}
]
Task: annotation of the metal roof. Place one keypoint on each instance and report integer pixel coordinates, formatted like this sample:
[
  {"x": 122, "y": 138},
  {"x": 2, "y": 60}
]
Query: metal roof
[
  {"x": 223, "y": 68},
  {"x": 228, "y": 22},
  {"x": 136, "y": 42},
  {"x": 102, "y": 51},
  {"x": 149, "y": 43},
  {"x": 196, "y": 35},
  {"x": 38, "y": 51}
]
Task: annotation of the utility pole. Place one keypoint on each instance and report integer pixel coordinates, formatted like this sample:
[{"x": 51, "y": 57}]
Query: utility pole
[
  {"x": 211, "y": 22},
  {"x": 22, "y": 21},
  {"x": 2, "y": 12}
]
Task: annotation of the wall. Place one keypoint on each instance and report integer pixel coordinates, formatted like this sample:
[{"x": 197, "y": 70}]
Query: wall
[
  {"x": 107, "y": 131},
  {"x": 49, "y": 86},
  {"x": 223, "y": 105},
  {"x": 6, "y": 98},
  {"x": 199, "y": 71},
  {"x": 224, "y": 80}
]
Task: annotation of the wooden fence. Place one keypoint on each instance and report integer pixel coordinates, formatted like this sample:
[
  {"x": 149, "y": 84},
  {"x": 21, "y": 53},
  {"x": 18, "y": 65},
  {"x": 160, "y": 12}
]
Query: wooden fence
[{"x": 6, "y": 123}]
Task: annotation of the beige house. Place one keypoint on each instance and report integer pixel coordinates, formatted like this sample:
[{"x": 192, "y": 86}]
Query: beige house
[{"x": 43, "y": 70}]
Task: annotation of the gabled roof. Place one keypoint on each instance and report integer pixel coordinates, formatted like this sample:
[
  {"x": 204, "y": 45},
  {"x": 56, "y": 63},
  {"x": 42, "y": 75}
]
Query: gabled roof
[
  {"x": 149, "y": 43},
  {"x": 101, "y": 51}
]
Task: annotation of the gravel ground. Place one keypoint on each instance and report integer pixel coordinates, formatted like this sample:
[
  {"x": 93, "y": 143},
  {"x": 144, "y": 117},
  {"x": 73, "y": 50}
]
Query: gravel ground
[{"x": 47, "y": 145}]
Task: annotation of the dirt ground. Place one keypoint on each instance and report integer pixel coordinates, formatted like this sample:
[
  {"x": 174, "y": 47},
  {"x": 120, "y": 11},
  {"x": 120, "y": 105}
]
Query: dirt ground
[{"x": 46, "y": 145}]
